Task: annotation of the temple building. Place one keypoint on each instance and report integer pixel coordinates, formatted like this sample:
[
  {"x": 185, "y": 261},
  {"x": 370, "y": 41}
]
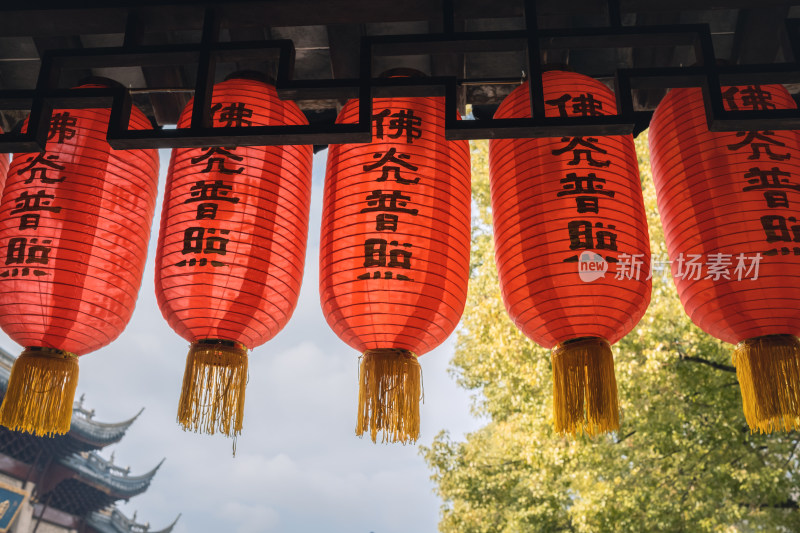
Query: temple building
[{"x": 62, "y": 484}]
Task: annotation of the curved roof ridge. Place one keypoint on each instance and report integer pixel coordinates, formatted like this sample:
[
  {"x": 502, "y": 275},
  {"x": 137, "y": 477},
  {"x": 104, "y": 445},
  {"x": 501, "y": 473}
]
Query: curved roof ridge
[
  {"x": 85, "y": 428},
  {"x": 126, "y": 423},
  {"x": 113, "y": 520},
  {"x": 103, "y": 471},
  {"x": 169, "y": 527},
  {"x": 149, "y": 475}
]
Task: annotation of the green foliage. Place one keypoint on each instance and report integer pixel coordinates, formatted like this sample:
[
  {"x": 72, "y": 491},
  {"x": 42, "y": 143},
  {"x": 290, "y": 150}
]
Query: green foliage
[{"x": 683, "y": 459}]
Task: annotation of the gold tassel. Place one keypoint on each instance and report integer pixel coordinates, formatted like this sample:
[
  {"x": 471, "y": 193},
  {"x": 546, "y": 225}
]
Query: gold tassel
[
  {"x": 212, "y": 396},
  {"x": 40, "y": 392},
  {"x": 390, "y": 388},
  {"x": 768, "y": 369},
  {"x": 584, "y": 387}
]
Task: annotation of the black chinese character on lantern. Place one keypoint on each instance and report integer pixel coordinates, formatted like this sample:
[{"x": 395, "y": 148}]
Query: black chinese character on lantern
[
  {"x": 582, "y": 236},
  {"x": 587, "y": 148},
  {"x": 386, "y": 222},
  {"x": 583, "y": 105},
  {"x": 589, "y": 184},
  {"x": 402, "y": 123},
  {"x": 207, "y": 193},
  {"x": 777, "y": 229},
  {"x": 776, "y": 199},
  {"x": 390, "y": 202},
  {"x": 753, "y": 97},
  {"x": 216, "y": 157},
  {"x": 586, "y": 190},
  {"x": 378, "y": 254},
  {"x": 204, "y": 191},
  {"x": 34, "y": 202},
  {"x": 20, "y": 250},
  {"x": 774, "y": 178},
  {"x": 206, "y": 210},
  {"x": 38, "y": 166},
  {"x": 233, "y": 115},
  {"x": 200, "y": 240},
  {"x": 62, "y": 127},
  {"x": 765, "y": 144},
  {"x": 394, "y": 169},
  {"x": 29, "y": 221}
]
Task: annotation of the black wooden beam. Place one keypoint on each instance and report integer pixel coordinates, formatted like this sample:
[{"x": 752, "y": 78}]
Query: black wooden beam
[
  {"x": 344, "y": 42},
  {"x": 651, "y": 57},
  {"x": 758, "y": 35}
]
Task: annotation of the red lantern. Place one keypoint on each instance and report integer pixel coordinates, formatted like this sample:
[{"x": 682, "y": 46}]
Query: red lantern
[
  {"x": 394, "y": 256},
  {"x": 729, "y": 204},
  {"x": 571, "y": 245},
  {"x": 231, "y": 250},
  {"x": 74, "y": 227},
  {"x": 3, "y": 168}
]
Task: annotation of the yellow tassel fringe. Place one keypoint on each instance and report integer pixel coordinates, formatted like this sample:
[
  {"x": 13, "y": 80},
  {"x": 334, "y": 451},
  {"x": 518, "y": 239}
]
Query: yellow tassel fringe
[
  {"x": 212, "y": 396},
  {"x": 389, "y": 392},
  {"x": 768, "y": 369},
  {"x": 584, "y": 387},
  {"x": 40, "y": 392}
]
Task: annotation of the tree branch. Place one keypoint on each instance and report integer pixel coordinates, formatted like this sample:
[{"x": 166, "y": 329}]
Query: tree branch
[
  {"x": 791, "y": 455},
  {"x": 712, "y": 364},
  {"x": 625, "y": 437},
  {"x": 788, "y": 504}
]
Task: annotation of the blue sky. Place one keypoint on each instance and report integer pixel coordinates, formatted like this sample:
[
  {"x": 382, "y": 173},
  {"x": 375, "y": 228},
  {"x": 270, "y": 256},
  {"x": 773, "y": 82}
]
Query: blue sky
[{"x": 299, "y": 466}]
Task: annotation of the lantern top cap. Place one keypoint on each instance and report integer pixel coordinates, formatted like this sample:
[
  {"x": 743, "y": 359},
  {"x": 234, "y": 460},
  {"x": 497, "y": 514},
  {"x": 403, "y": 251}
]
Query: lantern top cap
[
  {"x": 100, "y": 80},
  {"x": 252, "y": 75},
  {"x": 549, "y": 67},
  {"x": 403, "y": 72}
]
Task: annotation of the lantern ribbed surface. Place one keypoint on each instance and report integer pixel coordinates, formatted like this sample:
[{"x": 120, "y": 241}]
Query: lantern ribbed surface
[
  {"x": 231, "y": 249},
  {"x": 714, "y": 191},
  {"x": 234, "y": 225},
  {"x": 4, "y": 162},
  {"x": 403, "y": 286},
  {"x": 554, "y": 199},
  {"x": 74, "y": 228},
  {"x": 394, "y": 253},
  {"x": 729, "y": 203}
]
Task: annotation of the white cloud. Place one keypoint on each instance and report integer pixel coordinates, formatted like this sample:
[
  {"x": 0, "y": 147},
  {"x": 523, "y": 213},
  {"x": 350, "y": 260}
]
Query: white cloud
[{"x": 250, "y": 518}]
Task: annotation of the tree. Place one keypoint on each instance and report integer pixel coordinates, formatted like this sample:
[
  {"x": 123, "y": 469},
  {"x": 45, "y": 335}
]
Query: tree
[{"x": 683, "y": 459}]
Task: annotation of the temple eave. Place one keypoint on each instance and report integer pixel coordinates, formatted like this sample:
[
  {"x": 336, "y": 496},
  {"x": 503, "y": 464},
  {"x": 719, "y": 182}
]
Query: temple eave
[
  {"x": 114, "y": 521},
  {"x": 106, "y": 477}
]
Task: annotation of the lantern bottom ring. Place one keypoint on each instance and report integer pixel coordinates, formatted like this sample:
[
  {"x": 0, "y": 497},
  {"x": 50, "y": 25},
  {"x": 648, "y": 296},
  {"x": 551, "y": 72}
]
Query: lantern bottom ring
[
  {"x": 48, "y": 352},
  {"x": 221, "y": 342}
]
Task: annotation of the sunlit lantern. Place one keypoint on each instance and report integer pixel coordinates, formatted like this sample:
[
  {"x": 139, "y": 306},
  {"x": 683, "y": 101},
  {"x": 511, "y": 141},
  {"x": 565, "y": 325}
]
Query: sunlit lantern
[
  {"x": 730, "y": 204},
  {"x": 571, "y": 245},
  {"x": 74, "y": 227},
  {"x": 394, "y": 255},
  {"x": 231, "y": 250}
]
